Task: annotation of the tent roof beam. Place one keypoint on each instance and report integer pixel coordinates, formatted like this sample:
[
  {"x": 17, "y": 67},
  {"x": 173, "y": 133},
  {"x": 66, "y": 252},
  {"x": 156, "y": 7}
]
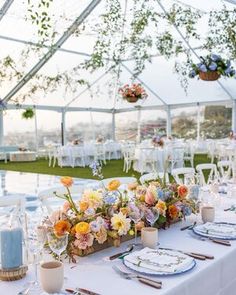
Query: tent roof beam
[{"x": 78, "y": 21}]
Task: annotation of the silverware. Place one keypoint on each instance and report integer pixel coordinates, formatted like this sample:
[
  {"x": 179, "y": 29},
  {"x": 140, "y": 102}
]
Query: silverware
[
  {"x": 188, "y": 226},
  {"x": 195, "y": 255},
  {"x": 214, "y": 240},
  {"x": 130, "y": 276},
  {"x": 128, "y": 250},
  {"x": 81, "y": 291}
]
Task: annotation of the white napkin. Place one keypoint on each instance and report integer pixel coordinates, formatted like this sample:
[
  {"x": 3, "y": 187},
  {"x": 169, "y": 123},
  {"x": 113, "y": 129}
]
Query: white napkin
[
  {"x": 217, "y": 229},
  {"x": 165, "y": 261}
]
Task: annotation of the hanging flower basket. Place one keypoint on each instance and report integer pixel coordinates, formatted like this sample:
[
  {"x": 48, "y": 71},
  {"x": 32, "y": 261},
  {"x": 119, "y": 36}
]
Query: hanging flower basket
[
  {"x": 132, "y": 93},
  {"x": 211, "y": 68},
  {"x": 209, "y": 76}
]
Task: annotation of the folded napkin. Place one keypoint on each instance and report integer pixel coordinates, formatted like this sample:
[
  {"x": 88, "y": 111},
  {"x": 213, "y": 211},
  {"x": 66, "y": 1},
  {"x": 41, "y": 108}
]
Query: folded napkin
[
  {"x": 217, "y": 229},
  {"x": 165, "y": 261}
]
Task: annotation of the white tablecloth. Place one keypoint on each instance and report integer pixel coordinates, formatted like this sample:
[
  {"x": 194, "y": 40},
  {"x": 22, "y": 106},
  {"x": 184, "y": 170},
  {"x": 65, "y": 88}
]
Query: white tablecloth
[
  {"x": 21, "y": 156},
  {"x": 210, "y": 277}
]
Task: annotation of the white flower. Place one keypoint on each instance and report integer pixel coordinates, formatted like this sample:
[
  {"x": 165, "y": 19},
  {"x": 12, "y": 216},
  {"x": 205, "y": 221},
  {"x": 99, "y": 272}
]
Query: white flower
[{"x": 120, "y": 223}]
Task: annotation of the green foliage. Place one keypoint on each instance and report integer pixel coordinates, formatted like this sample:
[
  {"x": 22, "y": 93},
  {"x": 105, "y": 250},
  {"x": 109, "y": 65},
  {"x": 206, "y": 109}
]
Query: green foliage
[{"x": 28, "y": 114}]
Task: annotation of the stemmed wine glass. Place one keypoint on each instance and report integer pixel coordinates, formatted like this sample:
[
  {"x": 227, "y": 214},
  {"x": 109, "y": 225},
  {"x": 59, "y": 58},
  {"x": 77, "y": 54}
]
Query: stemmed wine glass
[
  {"x": 135, "y": 214},
  {"x": 57, "y": 244},
  {"x": 152, "y": 215}
]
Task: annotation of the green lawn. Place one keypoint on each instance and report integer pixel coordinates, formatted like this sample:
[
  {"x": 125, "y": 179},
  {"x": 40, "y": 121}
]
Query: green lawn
[{"x": 113, "y": 168}]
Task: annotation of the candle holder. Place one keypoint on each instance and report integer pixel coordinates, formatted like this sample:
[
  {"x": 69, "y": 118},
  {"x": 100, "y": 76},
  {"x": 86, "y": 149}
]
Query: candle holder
[{"x": 13, "y": 274}]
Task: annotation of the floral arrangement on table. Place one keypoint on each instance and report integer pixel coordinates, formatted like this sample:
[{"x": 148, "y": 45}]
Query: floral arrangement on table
[
  {"x": 211, "y": 68},
  {"x": 157, "y": 141},
  {"x": 104, "y": 217},
  {"x": 133, "y": 92}
]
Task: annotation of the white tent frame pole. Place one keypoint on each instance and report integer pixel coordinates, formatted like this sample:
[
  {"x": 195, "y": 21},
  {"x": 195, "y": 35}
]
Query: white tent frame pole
[
  {"x": 7, "y": 4},
  {"x": 1, "y": 128},
  {"x": 191, "y": 48},
  {"x": 113, "y": 125},
  {"x": 139, "y": 126},
  {"x": 79, "y": 20},
  {"x": 198, "y": 123},
  {"x": 36, "y": 131},
  {"x": 63, "y": 127},
  {"x": 11, "y": 39},
  {"x": 144, "y": 84},
  {"x": 234, "y": 116},
  {"x": 168, "y": 121},
  {"x": 92, "y": 125}
]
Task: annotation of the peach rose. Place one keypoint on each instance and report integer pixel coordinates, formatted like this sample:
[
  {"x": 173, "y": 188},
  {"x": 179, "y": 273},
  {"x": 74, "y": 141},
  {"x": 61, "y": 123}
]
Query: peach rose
[
  {"x": 66, "y": 206},
  {"x": 173, "y": 211},
  {"x": 113, "y": 185},
  {"x": 182, "y": 191},
  {"x": 67, "y": 181},
  {"x": 132, "y": 186},
  {"x": 83, "y": 205},
  {"x": 139, "y": 225},
  {"x": 150, "y": 198}
]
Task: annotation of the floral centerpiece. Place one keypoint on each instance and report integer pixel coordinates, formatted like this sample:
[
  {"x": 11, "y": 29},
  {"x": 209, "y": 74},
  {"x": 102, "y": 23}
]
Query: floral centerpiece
[
  {"x": 211, "y": 68},
  {"x": 133, "y": 92},
  {"x": 157, "y": 141},
  {"x": 105, "y": 217}
]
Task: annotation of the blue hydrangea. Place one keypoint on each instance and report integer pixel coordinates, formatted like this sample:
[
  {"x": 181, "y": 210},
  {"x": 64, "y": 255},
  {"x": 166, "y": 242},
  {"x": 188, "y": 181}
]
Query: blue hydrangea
[
  {"x": 186, "y": 210},
  {"x": 203, "y": 68},
  {"x": 160, "y": 194},
  {"x": 228, "y": 71},
  {"x": 213, "y": 66},
  {"x": 192, "y": 74},
  {"x": 215, "y": 57},
  {"x": 110, "y": 198},
  {"x": 228, "y": 63}
]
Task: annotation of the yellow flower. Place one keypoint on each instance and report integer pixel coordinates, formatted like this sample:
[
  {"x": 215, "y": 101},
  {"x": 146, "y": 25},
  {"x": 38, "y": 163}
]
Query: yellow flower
[
  {"x": 66, "y": 181},
  {"x": 161, "y": 206},
  {"x": 82, "y": 228},
  {"x": 92, "y": 198},
  {"x": 120, "y": 223},
  {"x": 124, "y": 210},
  {"x": 113, "y": 185},
  {"x": 83, "y": 205}
]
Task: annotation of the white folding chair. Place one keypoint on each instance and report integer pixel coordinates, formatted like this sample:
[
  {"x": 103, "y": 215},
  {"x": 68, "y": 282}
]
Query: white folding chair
[
  {"x": 51, "y": 202},
  {"x": 77, "y": 157},
  {"x": 12, "y": 206},
  {"x": 129, "y": 157},
  {"x": 225, "y": 169},
  {"x": 185, "y": 172},
  {"x": 177, "y": 157},
  {"x": 201, "y": 168},
  {"x": 154, "y": 176},
  {"x": 189, "y": 154},
  {"x": 100, "y": 154}
]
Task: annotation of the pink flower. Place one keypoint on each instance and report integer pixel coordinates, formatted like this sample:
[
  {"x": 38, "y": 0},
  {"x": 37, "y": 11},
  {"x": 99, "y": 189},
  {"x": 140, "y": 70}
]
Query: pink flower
[
  {"x": 55, "y": 216},
  {"x": 150, "y": 197},
  {"x": 66, "y": 206},
  {"x": 84, "y": 241}
]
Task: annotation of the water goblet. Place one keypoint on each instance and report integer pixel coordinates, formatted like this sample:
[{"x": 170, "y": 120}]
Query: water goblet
[
  {"x": 57, "y": 244},
  {"x": 135, "y": 214},
  {"x": 152, "y": 215}
]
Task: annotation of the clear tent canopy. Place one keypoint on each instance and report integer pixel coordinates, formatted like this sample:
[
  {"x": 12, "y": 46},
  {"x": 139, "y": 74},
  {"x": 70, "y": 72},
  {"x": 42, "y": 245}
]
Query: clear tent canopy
[{"x": 18, "y": 36}]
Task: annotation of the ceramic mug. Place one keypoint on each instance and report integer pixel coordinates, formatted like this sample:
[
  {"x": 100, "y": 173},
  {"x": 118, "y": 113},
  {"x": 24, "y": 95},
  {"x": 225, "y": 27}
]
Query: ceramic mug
[
  {"x": 208, "y": 214},
  {"x": 52, "y": 276},
  {"x": 149, "y": 237}
]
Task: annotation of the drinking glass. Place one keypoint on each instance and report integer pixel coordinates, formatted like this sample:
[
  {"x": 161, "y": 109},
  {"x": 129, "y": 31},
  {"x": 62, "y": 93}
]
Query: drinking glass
[
  {"x": 135, "y": 214},
  {"x": 57, "y": 244},
  {"x": 152, "y": 215}
]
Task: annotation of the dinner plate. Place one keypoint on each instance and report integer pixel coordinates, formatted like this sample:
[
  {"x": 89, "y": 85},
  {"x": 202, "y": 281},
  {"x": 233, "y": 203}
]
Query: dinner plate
[
  {"x": 146, "y": 271},
  {"x": 211, "y": 235}
]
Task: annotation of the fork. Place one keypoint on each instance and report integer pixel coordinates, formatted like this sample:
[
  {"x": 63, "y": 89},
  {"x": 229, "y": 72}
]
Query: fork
[{"x": 130, "y": 275}]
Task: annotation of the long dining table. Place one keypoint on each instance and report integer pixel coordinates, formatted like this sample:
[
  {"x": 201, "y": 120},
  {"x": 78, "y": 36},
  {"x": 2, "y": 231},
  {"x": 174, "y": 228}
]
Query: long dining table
[{"x": 209, "y": 277}]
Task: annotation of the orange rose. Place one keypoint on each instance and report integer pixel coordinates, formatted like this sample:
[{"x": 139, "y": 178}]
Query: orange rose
[
  {"x": 82, "y": 228},
  {"x": 61, "y": 227},
  {"x": 113, "y": 185},
  {"x": 182, "y": 191},
  {"x": 83, "y": 206},
  {"x": 161, "y": 206},
  {"x": 173, "y": 211},
  {"x": 67, "y": 181}
]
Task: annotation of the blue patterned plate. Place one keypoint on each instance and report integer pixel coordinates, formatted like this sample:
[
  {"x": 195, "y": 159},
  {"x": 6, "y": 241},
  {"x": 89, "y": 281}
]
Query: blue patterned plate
[{"x": 215, "y": 236}]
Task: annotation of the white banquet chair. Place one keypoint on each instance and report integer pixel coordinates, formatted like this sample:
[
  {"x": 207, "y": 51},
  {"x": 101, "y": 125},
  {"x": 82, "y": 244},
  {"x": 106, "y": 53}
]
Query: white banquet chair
[
  {"x": 154, "y": 176},
  {"x": 77, "y": 157},
  {"x": 225, "y": 169},
  {"x": 129, "y": 157},
  {"x": 186, "y": 172},
  {"x": 176, "y": 157},
  {"x": 189, "y": 154},
  {"x": 51, "y": 202},
  {"x": 12, "y": 205},
  {"x": 206, "y": 167},
  {"x": 100, "y": 153}
]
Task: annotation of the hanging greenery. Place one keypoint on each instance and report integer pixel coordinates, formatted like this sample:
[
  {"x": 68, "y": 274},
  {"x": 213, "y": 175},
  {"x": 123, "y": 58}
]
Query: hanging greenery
[{"x": 28, "y": 114}]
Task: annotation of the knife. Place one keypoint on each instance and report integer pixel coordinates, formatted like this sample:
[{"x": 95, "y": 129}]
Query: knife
[
  {"x": 221, "y": 242},
  {"x": 191, "y": 254},
  {"x": 149, "y": 283},
  {"x": 84, "y": 291}
]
